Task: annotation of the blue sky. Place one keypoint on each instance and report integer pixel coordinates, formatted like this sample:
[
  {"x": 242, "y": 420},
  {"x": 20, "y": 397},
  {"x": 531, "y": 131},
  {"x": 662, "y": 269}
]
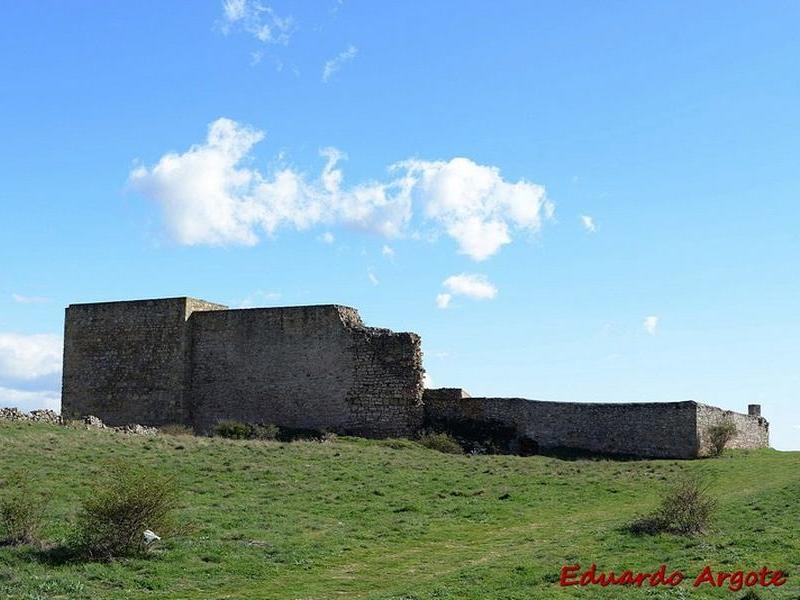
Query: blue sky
[{"x": 568, "y": 200}]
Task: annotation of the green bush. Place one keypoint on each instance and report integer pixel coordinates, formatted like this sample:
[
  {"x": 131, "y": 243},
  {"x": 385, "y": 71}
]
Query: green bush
[
  {"x": 686, "y": 509},
  {"x": 176, "y": 429},
  {"x": 442, "y": 442},
  {"x": 234, "y": 430},
  {"x": 21, "y": 510},
  {"x": 119, "y": 508},
  {"x": 719, "y": 435}
]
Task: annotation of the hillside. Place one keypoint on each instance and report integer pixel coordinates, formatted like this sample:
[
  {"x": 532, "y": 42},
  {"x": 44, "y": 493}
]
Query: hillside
[{"x": 354, "y": 518}]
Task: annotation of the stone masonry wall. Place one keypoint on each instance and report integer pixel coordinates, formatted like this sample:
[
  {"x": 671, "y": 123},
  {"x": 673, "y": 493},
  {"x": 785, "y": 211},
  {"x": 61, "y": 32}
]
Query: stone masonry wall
[
  {"x": 183, "y": 360},
  {"x": 125, "y": 361},
  {"x": 640, "y": 429},
  {"x": 314, "y": 367},
  {"x": 751, "y": 432}
]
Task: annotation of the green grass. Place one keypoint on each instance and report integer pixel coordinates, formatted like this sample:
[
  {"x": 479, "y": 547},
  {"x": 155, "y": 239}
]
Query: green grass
[{"x": 393, "y": 520}]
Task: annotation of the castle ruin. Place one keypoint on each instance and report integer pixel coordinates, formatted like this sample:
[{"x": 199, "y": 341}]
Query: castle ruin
[{"x": 183, "y": 360}]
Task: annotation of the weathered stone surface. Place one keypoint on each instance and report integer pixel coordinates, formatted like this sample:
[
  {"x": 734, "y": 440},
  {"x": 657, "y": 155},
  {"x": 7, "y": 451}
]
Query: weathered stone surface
[
  {"x": 35, "y": 416},
  {"x": 663, "y": 429},
  {"x": 182, "y": 360},
  {"x": 126, "y": 361},
  {"x": 314, "y": 367},
  {"x": 752, "y": 431}
]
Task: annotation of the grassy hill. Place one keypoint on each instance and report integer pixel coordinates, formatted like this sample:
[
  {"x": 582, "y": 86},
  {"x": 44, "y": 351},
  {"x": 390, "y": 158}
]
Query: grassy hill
[{"x": 367, "y": 519}]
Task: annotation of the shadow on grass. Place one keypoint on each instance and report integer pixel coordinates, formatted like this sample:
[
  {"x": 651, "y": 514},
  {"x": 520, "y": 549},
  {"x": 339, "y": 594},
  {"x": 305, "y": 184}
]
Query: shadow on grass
[{"x": 573, "y": 454}]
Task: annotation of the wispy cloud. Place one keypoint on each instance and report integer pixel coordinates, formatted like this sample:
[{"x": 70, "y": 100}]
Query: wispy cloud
[
  {"x": 336, "y": 63},
  {"x": 327, "y": 238},
  {"x": 373, "y": 279},
  {"x": 588, "y": 223},
  {"x": 387, "y": 251},
  {"x": 209, "y": 197},
  {"x": 259, "y": 298},
  {"x": 256, "y": 19},
  {"x": 471, "y": 285},
  {"x": 22, "y": 299},
  {"x": 443, "y": 300},
  {"x": 650, "y": 324}
]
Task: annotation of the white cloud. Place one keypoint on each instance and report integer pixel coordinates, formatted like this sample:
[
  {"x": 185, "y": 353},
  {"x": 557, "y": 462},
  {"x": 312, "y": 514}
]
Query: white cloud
[
  {"x": 651, "y": 324},
  {"x": 470, "y": 285},
  {"x": 256, "y": 19},
  {"x": 21, "y": 299},
  {"x": 387, "y": 251},
  {"x": 336, "y": 63},
  {"x": 327, "y": 238},
  {"x": 372, "y": 278},
  {"x": 427, "y": 380},
  {"x": 475, "y": 205},
  {"x": 588, "y": 223},
  {"x": 259, "y": 297},
  {"x": 27, "y": 357},
  {"x": 208, "y": 197},
  {"x": 27, "y": 400},
  {"x": 443, "y": 300}
]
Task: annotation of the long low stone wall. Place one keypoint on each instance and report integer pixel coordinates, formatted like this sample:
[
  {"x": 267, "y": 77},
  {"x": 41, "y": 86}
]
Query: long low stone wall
[{"x": 664, "y": 429}]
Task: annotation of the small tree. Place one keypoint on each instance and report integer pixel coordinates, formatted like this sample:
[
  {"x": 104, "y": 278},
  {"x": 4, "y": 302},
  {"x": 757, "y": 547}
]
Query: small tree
[
  {"x": 719, "y": 435},
  {"x": 21, "y": 510},
  {"x": 120, "y": 507}
]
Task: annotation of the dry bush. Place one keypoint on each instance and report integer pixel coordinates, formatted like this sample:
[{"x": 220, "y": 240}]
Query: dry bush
[
  {"x": 176, "y": 429},
  {"x": 442, "y": 442},
  {"x": 119, "y": 508},
  {"x": 264, "y": 432},
  {"x": 686, "y": 509},
  {"x": 236, "y": 430},
  {"x": 719, "y": 435},
  {"x": 21, "y": 510}
]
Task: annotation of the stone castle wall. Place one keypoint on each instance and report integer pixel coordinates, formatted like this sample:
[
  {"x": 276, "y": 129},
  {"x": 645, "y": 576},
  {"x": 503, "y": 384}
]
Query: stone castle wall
[
  {"x": 312, "y": 367},
  {"x": 663, "y": 429},
  {"x": 640, "y": 429},
  {"x": 751, "y": 431},
  {"x": 125, "y": 361},
  {"x": 182, "y": 360}
]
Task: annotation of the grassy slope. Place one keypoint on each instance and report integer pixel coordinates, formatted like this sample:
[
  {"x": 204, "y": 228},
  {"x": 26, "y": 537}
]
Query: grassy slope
[{"x": 392, "y": 520}]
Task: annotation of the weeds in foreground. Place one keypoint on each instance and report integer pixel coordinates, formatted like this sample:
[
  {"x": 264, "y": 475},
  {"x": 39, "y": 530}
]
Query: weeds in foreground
[{"x": 21, "y": 510}]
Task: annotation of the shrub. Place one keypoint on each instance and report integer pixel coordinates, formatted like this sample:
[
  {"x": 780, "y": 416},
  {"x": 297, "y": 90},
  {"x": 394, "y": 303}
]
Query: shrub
[
  {"x": 176, "y": 429},
  {"x": 234, "y": 430},
  {"x": 442, "y": 442},
  {"x": 719, "y": 435},
  {"x": 686, "y": 509},
  {"x": 120, "y": 507},
  {"x": 264, "y": 432},
  {"x": 21, "y": 511}
]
